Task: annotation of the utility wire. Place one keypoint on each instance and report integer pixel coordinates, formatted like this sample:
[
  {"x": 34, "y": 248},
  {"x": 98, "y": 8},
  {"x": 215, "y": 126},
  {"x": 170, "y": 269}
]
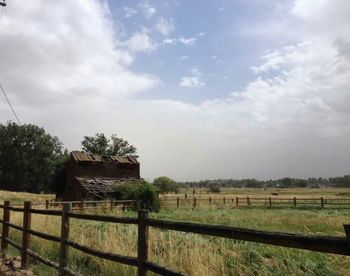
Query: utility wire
[{"x": 8, "y": 101}]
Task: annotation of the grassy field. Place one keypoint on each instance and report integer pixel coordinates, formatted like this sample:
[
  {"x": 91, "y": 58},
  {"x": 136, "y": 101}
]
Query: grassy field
[
  {"x": 268, "y": 192},
  {"x": 197, "y": 254}
]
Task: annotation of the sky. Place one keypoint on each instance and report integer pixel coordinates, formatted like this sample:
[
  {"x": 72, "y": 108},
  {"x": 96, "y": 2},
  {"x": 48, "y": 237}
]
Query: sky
[{"x": 204, "y": 89}]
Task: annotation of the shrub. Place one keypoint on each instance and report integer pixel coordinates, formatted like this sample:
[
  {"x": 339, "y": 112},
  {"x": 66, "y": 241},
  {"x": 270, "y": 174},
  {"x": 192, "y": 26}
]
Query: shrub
[
  {"x": 166, "y": 185},
  {"x": 144, "y": 193},
  {"x": 214, "y": 188}
]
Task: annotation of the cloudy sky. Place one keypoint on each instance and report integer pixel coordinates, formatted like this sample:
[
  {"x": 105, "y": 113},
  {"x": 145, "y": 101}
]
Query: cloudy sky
[{"x": 203, "y": 89}]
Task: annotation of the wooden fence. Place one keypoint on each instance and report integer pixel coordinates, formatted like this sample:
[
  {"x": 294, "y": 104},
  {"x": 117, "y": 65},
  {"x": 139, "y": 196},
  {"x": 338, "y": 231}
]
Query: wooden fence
[
  {"x": 84, "y": 204},
  {"x": 270, "y": 202},
  {"x": 327, "y": 244}
]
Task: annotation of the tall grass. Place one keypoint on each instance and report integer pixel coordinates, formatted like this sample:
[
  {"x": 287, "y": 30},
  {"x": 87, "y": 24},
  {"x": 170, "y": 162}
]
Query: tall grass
[{"x": 198, "y": 254}]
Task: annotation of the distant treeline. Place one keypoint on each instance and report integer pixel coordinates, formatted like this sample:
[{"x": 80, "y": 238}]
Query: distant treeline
[{"x": 287, "y": 182}]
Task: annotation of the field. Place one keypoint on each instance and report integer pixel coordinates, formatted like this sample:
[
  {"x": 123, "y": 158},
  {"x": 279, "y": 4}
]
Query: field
[{"x": 198, "y": 254}]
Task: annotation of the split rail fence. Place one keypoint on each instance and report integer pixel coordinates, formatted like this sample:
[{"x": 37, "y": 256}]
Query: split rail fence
[
  {"x": 327, "y": 244},
  {"x": 270, "y": 202}
]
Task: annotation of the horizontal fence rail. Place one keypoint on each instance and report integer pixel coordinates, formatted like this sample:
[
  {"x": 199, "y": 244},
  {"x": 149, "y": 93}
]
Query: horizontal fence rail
[
  {"x": 326, "y": 244},
  {"x": 258, "y": 202}
]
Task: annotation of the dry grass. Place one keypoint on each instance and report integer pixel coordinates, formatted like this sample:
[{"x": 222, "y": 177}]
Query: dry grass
[{"x": 198, "y": 254}]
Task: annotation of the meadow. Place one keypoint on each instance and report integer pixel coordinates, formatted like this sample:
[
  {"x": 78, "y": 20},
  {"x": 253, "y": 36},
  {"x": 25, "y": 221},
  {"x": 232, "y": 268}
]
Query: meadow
[{"x": 197, "y": 254}]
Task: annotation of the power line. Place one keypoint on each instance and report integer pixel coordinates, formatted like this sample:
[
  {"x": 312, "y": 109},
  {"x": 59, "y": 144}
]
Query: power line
[{"x": 8, "y": 101}]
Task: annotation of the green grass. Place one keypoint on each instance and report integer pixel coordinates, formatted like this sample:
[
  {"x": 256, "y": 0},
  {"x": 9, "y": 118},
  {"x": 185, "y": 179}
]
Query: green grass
[{"x": 198, "y": 254}]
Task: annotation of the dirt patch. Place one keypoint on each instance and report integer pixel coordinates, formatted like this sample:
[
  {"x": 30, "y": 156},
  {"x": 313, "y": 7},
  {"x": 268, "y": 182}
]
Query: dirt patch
[{"x": 12, "y": 267}]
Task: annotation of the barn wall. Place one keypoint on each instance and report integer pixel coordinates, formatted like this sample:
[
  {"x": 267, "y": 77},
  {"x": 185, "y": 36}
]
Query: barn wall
[
  {"x": 107, "y": 169},
  {"x": 88, "y": 169}
]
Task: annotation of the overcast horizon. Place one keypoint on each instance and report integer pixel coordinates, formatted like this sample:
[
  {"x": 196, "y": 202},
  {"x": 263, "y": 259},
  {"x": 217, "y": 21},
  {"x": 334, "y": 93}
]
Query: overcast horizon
[{"x": 203, "y": 89}]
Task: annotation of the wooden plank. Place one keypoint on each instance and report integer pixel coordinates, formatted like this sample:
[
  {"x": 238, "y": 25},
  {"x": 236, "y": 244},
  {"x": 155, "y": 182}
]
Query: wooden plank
[
  {"x": 46, "y": 212},
  {"x": 64, "y": 238},
  {"x": 27, "y": 222},
  {"x": 103, "y": 218},
  {"x": 44, "y": 235},
  {"x": 142, "y": 242},
  {"x": 105, "y": 255},
  {"x": 161, "y": 270},
  {"x": 336, "y": 245},
  {"x": 5, "y": 228}
]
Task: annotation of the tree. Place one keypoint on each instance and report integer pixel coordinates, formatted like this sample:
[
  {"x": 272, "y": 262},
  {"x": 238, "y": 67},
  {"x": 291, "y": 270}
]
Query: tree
[
  {"x": 28, "y": 157},
  {"x": 165, "y": 185},
  {"x": 214, "y": 188},
  {"x": 100, "y": 144}
]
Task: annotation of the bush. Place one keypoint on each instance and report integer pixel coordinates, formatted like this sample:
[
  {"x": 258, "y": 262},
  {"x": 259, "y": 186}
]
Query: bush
[
  {"x": 166, "y": 185},
  {"x": 144, "y": 193},
  {"x": 214, "y": 188}
]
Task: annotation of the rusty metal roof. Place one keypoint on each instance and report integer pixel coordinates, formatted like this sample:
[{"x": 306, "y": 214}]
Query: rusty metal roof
[{"x": 82, "y": 156}]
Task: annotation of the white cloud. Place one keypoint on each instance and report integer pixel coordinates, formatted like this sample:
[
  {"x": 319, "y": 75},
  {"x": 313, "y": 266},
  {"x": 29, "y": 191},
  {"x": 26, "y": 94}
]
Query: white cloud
[
  {"x": 50, "y": 57},
  {"x": 147, "y": 9},
  {"x": 140, "y": 42},
  {"x": 165, "y": 27},
  {"x": 187, "y": 41},
  {"x": 129, "y": 12},
  {"x": 192, "y": 81},
  {"x": 66, "y": 72},
  {"x": 169, "y": 41}
]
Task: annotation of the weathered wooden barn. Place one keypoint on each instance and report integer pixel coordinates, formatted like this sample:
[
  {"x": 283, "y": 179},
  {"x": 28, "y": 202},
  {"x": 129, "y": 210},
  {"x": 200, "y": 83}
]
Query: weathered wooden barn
[{"x": 92, "y": 176}]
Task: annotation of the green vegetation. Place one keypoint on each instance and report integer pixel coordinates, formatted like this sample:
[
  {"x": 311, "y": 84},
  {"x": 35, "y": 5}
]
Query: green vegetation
[
  {"x": 100, "y": 144},
  {"x": 166, "y": 185},
  {"x": 28, "y": 158},
  {"x": 285, "y": 182},
  {"x": 145, "y": 194},
  {"x": 199, "y": 254}
]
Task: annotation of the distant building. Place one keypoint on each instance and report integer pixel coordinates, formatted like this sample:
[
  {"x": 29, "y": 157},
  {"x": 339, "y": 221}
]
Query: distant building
[{"x": 92, "y": 176}]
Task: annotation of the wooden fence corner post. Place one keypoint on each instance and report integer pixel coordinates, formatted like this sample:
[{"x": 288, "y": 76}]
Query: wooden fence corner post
[
  {"x": 142, "y": 242},
  {"x": 64, "y": 237},
  {"x": 322, "y": 203},
  {"x": 270, "y": 202},
  {"x": 237, "y": 201},
  {"x": 177, "y": 202},
  {"x": 210, "y": 202},
  {"x": 27, "y": 223},
  {"x": 5, "y": 228}
]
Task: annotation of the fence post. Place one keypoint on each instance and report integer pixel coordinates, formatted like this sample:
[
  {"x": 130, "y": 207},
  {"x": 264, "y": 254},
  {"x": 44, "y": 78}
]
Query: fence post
[
  {"x": 142, "y": 242},
  {"x": 210, "y": 202},
  {"x": 347, "y": 232},
  {"x": 322, "y": 203},
  {"x": 27, "y": 223},
  {"x": 64, "y": 237},
  {"x": 47, "y": 204},
  {"x": 237, "y": 201},
  {"x": 295, "y": 201},
  {"x": 248, "y": 202},
  {"x": 177, "y": 202},
  {"x": 194, "y": 202},
  {"x": 224, "y": 200},
  {"x": 270, "y": 202},
  {"x": 112, "y": 204},
  {"x": 5, "y": 228},
  {"x": 82, "y": 205}
]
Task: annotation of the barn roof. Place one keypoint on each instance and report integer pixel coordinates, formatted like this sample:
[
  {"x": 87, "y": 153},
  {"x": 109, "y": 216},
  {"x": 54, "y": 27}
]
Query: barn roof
[{"x": 82, "y": 156}]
